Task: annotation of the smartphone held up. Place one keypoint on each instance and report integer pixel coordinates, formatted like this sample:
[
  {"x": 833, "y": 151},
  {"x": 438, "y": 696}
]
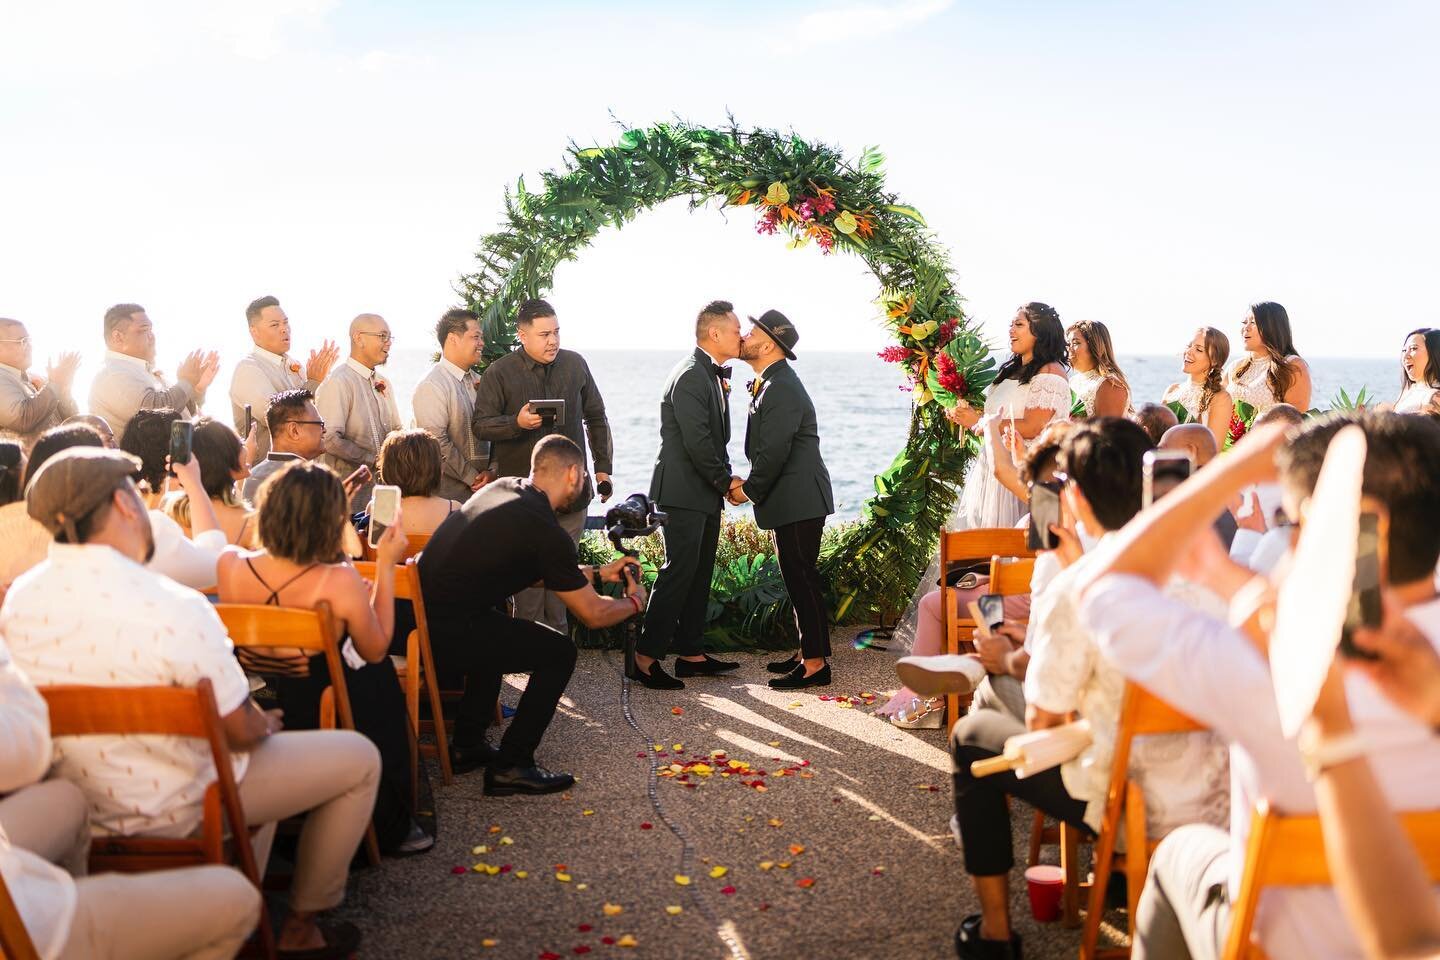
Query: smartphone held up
[
  {"x": 384, "y": 508},
  {"x": 1163, "y": 471},
  {"x": 182, "y": 436}
]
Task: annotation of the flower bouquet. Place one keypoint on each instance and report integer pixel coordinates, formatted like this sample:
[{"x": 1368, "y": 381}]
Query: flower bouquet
[{"x": 961, "y": 370}]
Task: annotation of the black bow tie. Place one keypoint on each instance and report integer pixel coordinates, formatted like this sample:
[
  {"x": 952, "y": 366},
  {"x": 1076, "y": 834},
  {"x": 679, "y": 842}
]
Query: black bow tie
[{"x": 722, "y": 372}]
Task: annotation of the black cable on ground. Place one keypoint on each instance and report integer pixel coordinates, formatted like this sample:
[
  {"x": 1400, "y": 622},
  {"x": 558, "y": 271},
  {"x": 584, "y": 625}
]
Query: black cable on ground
[{"x": 687, "y": 849}]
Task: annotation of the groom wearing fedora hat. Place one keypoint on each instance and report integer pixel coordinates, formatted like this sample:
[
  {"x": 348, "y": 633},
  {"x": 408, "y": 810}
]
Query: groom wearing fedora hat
[{"x": 790, "y": 488}]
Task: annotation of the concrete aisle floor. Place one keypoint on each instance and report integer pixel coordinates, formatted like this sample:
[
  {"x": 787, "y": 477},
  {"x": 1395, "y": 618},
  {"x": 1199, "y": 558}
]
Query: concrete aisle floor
[{"x": 878, "y": 875}]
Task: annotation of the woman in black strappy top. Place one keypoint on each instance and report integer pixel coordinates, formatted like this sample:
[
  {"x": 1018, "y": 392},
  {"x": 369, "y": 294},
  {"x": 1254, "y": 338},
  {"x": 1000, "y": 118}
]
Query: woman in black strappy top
[{"x": 300, "y": 517}]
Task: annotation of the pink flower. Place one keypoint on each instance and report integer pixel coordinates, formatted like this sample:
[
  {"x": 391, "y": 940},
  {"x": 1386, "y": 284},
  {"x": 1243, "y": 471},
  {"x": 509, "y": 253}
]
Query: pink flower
[
  {"x": 769, "y": 222},
  {"x": 806, "y": 209},
  {"x": 825, "y": 241},
  {"x": 894, "y": 354},
  {"x": 823, "y": 204}
]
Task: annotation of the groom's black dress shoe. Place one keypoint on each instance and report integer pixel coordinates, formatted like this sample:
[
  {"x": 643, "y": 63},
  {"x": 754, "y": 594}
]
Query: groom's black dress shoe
[
  {"x": 708, "y": 667},
  {"x": 796, "y": 679},
  {"x": 465, "y": 759},
  {"x": 783, "y": 666},
  {"x": 505, "y": 781},
  {"x": 656, "y": 679}
]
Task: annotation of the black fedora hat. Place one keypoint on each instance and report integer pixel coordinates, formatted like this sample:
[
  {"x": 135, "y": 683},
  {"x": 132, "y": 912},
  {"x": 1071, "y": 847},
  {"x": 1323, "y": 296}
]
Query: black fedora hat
[{"x": 779, "y": 329}]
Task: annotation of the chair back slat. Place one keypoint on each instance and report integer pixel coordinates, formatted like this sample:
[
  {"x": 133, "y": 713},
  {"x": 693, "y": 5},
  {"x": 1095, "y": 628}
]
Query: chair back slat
[
  {"x": 982, "y": 543},
  {"x": 1010, "y": 576},
  {"x": 407, "y": 578},
  {"x": 78, "y": 711},
  {"x": 261, "y": 625}
]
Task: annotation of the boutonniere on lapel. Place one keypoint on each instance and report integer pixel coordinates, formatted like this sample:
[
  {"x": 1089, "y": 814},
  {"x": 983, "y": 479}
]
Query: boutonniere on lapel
[
  {"x": 755, "y": 387},
  {"x": 294, "y": 367},
  {"x": 381, "y": 386},
  {"x": 725, "y": 388}
]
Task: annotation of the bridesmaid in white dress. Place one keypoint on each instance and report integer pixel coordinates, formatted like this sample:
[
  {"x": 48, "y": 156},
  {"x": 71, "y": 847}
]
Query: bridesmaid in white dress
[
  {"x": 1097, "y": 381},
  {"x": 1029, "y": 391},
  {"x": 1272, "y": 372},
  {"x": 1419, "y": 370},
  {"x": 1202, "y": 394}
]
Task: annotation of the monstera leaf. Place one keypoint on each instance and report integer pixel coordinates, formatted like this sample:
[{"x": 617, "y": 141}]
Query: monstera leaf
[{"x": 1181, "y": 414}]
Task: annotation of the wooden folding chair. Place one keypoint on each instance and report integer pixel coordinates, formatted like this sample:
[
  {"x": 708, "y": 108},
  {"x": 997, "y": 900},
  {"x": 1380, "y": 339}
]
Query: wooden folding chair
[
  {"x": 415, "y": 544},
  {"x": 78, "y": 711},
  {"x": 253, "y": 625},
  {"x": 15, "y": 942},
  {"x": 1289, "y": 851},
  {"x": 969, "y": 546},
  {"x": 418, "y": 670},
  {"x": 1141, "y": 714}
]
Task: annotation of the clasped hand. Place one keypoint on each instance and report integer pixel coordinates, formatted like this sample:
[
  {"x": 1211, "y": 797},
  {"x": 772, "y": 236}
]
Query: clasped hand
[{"x": 736, "y": 494}]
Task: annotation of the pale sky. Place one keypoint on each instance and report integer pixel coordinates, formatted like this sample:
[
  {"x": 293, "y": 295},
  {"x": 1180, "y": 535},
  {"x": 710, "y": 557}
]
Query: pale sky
[{"x": 1154, "y": 165}]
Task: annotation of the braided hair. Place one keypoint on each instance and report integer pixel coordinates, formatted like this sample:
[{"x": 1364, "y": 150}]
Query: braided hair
[{"x": 1217, "y": 351}]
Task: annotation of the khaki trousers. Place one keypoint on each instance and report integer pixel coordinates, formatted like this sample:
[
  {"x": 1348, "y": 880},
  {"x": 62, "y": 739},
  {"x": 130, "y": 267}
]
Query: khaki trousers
[
  {"x": 541, "y": 605},
  {"x": 332, "y": 775},
  {"x": 195, "y": 913},
  {"x": 51, "y": 819}
]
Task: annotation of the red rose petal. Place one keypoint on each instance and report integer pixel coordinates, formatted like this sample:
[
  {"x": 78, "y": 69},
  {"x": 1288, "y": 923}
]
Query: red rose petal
[
  {"x": 458, "y": 870},
  {"x": 727, "y": 891},
  {"x": 582, "y": 949},
  {"x": 547, "y": 955},
  {"x": 608, "y": 941},
  {"x": 647, "y": 826},
  {"x": 505, "y": 868},
  {"x": 585, "y": 928}
]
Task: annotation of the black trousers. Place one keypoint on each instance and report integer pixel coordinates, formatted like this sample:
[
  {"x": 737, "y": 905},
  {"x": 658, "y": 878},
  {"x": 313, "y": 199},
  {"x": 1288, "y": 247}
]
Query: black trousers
[
  {"x": 483, "y": 647},
  {"x": 377, "y": 702},
  {"x": 797, "y": 547},
  {"x": 675, "y": 619},
  {"x": 980, "y": 802}
]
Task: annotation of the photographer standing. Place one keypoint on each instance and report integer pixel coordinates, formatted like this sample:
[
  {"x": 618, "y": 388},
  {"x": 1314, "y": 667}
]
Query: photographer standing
[
  {"x": 507, "y": 537},
  {"x": 504, "y": 415}
]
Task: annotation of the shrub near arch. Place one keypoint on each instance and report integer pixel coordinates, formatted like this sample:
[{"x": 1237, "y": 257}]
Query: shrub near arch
[{"x": 811, "y": 194}]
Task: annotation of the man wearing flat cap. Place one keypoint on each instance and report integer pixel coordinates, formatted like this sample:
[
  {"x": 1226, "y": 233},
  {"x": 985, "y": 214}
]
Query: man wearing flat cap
[{"x": 790, "y": 488}]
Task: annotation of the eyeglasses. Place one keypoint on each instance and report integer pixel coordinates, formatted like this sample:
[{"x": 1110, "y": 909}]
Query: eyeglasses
[
  {"x": 21, "y": 340},
  {"x": 308, "y": 423},
  {"x": 384, "y": 337}
]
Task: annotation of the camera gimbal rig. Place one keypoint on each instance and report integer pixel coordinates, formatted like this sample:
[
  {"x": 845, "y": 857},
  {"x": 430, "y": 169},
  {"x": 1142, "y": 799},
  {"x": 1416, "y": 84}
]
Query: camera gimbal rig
[{"x": 635, "y": 516}]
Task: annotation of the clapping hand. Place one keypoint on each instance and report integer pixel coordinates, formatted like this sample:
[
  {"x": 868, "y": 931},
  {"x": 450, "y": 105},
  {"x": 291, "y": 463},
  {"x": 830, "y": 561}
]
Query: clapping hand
[
  {"x": 209, "y": 368},
  {"x": 317, "y": 368},
  {"x": 736, "y": 495},
  {"x": 62, "y": 372}
]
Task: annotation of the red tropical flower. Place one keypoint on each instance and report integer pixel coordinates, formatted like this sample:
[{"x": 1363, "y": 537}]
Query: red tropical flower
[
  {"x": 949, "y": 375},
  {"x": 381, "y": 386},
  {"x": 823, "y": 204},
  {"x": 894, "y": 354},
  {"x": 769, "y": 222},
  {"x": 947, "y": 331},
  {"x": 1237, "y": 428}
]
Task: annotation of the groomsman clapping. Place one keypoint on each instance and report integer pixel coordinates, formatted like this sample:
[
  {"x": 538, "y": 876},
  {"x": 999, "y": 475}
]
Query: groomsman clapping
[{"x": 269, "y": 369}]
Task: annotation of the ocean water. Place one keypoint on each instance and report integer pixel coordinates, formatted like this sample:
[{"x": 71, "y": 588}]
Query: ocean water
[
  {"x": 863, "y": 413},
  {"x": 862, "y": 410}
]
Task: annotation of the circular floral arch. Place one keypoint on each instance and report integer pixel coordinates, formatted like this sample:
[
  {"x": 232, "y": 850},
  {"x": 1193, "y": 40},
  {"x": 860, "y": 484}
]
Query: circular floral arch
[{"x": 810, "y": 193}]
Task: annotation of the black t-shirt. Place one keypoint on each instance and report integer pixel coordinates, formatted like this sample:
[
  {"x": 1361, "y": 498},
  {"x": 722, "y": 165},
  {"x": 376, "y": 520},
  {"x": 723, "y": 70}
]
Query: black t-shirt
[{"x": 504, "y": 539}]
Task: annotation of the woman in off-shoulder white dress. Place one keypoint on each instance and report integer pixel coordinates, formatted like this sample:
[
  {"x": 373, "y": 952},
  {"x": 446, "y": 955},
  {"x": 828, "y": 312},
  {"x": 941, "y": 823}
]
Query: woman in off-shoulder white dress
[
  {"x": 1272, "y": 372},
  {"x": 1029, "y": 391},
  {"x": 1419, "y": 370}
]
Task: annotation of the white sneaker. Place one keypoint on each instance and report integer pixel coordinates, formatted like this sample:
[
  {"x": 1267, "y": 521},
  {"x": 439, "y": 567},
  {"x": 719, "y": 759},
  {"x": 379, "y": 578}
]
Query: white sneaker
[{"x": 946, "y": 673}]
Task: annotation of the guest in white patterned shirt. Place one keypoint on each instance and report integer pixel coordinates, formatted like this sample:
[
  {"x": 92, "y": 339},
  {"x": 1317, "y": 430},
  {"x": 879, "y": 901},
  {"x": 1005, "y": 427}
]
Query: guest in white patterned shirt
[
  {"x": 268, "y": 369},
  {"x": 92, "y": 614},
  {"x": 1184, "y": 776},
  {"x": 358, "y": 404},
  {"x": 444, "y": 404},
  {"x": 31, "y": 404},
  {"x": 128, "y": 381}
]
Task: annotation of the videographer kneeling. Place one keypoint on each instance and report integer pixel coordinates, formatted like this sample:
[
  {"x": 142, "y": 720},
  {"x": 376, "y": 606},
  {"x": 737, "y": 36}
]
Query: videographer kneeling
[{"x": 504, "y": 539}]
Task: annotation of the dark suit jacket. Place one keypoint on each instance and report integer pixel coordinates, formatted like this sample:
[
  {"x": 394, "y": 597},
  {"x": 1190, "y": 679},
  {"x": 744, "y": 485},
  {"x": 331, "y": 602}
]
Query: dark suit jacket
[
  {"x": 693, "y": 469},
  {"x": 788, "y": 481}
]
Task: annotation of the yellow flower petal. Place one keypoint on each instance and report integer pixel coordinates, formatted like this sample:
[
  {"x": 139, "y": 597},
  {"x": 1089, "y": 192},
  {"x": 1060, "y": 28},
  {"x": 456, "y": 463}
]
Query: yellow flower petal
[
  {"x": 776, "y": 822},
  {"x": 613, "y": 909},
  {"x": 521, "y": 874},
  {"x": 487, "y": 943},
  {"x": 506, "y": 841},
  {"x": 587, "y": 813},
  {"x": 717, "y": 872},
  {"x": 682, "y": 880},
  {"x": 674, "y": 910},
  {"x": 777, "y": 194},
  {"x": 563, "y": 877},
  {"x": 479, "y": 850},
  {"x": 766, "y": 864},
  {"x": 628, "y": 940},
  {"x": 846, "y": 222}
]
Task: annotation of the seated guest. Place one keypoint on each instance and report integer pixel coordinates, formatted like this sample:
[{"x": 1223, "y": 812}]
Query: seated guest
[
  {"x": 187, "y": 913},
  {"x": 1183, "y": 776},
  {"x": 1156, "y": 418},
  {"x": 223, "y": 464},
  {"x": 410, "y": 460},
  {"x": 504, "y": 538},
  {"x": 187, "y": 560},
  {"x": 26, "y": 541},
  {"x": 296, "y": 433},
  {"x": 906, "y": 709},
  {"x": 29, "y": 403},
  {"x": 107, "y": 436},
  {"x": 300, "y": 519},
  {"x": 1221, "y": 677},
  {"x": 142, "y": 629}
]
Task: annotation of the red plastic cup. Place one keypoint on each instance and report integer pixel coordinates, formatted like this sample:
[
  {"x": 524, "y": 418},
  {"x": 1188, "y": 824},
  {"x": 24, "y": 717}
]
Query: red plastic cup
[{"x": 1045, "y": 883}]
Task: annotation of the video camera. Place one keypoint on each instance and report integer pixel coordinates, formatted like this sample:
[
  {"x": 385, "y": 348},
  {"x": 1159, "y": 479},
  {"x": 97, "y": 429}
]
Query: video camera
[{"x": 635, "y": 516}]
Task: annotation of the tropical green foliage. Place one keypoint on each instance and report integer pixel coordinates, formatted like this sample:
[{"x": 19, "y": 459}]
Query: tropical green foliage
[{"x": 810, "y": 193}]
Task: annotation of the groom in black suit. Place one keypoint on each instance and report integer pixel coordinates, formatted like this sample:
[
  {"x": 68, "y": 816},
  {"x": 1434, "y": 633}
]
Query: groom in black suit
[
  {"x": 691, "y": 481},
  {"x": 790, "y": 488}
]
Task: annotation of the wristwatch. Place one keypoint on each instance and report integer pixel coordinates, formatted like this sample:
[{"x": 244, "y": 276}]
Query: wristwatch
[{"x": 1319, "y": 753}]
